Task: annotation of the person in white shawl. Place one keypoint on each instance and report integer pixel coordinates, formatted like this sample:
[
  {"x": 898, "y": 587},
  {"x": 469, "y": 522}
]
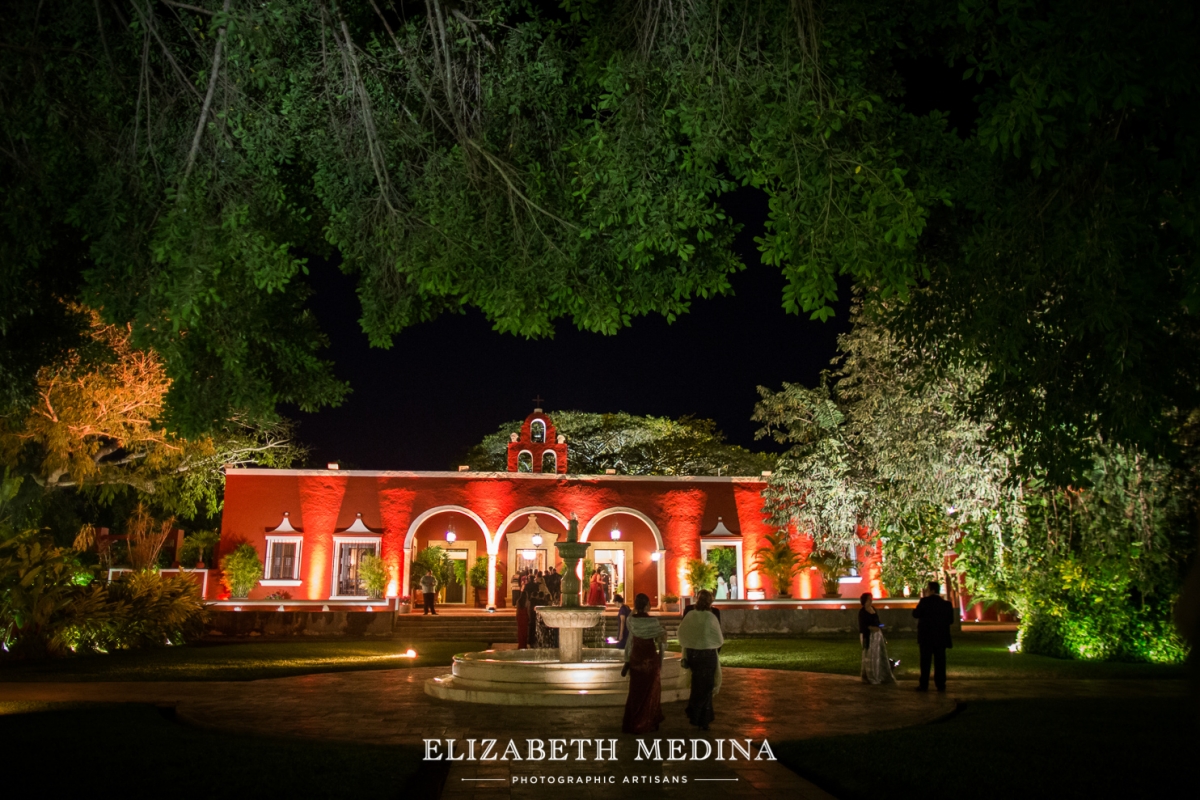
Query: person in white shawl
[
  {"x": 643, "y": 664},
  {"x": 700, "y": 637}
]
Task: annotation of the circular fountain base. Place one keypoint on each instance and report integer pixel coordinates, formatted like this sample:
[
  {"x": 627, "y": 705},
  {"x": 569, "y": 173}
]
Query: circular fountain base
[{"x": 537, "y": 678}]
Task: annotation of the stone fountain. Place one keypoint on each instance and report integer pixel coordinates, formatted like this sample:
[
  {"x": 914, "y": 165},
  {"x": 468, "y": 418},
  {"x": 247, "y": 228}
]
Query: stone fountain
[{"x": 570, "y": 675}]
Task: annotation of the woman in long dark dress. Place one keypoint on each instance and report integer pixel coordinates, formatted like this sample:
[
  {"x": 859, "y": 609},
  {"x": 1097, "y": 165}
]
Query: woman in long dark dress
[
  {"x": 876, "y": 667},
  {"x": 700, "y": 637},
  {"x": 522, "y": 620},
  {"x": 623, "y": 612},
  {"x": 643, "y": 665}
]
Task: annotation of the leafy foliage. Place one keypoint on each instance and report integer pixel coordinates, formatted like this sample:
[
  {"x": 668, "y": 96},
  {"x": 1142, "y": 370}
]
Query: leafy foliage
[
  {"x": 97, "y": 426},
  {"x": 241, "y": 570},
  {"x": 701, "y": 575},
  {"x": 51, "y": 605},
  {"x": 374, "y": 574},
  {"x": 1067, "y": 264},
  {"x": 724, "y": 561},
  {"x": 884, "y": 443},
  {"x": 632, "y": 445},
  {"x": 38, "y": 584},
  {"x": 778, "y": 561},
  {"x": 198, "y": 547},
  {"x": 535, "y": 164},
  {"x": 832, "y": 566},
  {"x": 140, "y": 609},
  {"x": 436, "y": 560},
  {"x": 478, "y": 574}
]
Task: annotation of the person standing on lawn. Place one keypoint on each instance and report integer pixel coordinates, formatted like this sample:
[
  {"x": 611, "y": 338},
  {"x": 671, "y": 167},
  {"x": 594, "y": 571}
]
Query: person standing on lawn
[
  {"x": 876, "y": 667},
  {"x": 429, "y": 585},
  {"x": 934, "y": 618}
]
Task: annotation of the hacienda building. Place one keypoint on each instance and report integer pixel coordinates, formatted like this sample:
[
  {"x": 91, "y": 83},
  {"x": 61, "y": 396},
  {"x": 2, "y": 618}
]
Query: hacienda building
[{"x": 311, "y": 528}]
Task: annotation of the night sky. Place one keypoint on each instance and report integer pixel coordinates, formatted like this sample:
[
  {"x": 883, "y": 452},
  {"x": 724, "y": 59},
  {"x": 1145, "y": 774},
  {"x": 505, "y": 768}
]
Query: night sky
[{"x": 445, "y": 384}]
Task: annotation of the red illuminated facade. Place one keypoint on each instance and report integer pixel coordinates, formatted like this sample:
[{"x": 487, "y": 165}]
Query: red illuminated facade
[{"x": 312, "y": 527}]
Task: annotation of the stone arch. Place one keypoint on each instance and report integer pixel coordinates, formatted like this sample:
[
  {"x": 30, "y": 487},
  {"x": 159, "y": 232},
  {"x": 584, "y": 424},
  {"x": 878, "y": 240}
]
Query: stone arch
[
  {"x": 494, "y": 540},
  {"x": 424, "y": 515}
]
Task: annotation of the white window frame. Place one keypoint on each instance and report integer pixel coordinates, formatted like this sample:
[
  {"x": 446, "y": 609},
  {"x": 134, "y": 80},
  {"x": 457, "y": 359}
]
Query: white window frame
[
  {"x": 338, "y": 541},
  {"x": 293, "y": 581}
]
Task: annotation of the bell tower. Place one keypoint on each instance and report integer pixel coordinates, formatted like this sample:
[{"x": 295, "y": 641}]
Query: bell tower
[{"x": 538, "y": 447}]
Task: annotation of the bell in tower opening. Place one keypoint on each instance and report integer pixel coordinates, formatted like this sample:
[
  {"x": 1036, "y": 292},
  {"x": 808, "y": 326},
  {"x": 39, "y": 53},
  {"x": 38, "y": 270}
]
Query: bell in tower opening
[{"x": 538, "y": 447}]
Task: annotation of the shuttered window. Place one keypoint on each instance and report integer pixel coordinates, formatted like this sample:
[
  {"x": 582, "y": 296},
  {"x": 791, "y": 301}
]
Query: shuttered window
[{"x": 282, "y": 561}]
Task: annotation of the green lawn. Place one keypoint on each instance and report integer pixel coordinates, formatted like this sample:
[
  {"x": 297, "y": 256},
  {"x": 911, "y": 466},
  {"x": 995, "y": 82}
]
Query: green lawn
[
  {"x": 1079, "y": 747},
  {"x": 239, "y": 661},
  {"x": 100, "y": 748},
  {"x": 975, "y": 655}
]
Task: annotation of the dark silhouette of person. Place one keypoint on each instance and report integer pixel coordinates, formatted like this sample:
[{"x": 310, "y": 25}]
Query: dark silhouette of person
[{"x": 934, "y": 618}]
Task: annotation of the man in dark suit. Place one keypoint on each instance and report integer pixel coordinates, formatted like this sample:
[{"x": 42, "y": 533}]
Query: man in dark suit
[{"x": 934, "y": 618}]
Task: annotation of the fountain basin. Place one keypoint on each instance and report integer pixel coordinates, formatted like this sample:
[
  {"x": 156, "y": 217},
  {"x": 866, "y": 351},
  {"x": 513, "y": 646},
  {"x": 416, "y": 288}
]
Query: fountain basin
[
  {"x": 571, "y": 622},
  {"x": 538, "y": 678},
  {"x": 571, "y": 617}
]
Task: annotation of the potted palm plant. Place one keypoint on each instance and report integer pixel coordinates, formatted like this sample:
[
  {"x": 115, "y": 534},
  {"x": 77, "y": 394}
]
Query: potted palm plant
[
  {"x": 832, "y": 566},
  {"x": 778, "y": 561},
  {"x": 197, "y": 548},
  {"x": 701, "y": 575},
  {"x": 478, "y": 578}
]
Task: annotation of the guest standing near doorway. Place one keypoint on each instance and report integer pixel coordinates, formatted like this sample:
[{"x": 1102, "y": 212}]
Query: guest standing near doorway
[
  {"x": 700, "y": 637},
  {"x": 429, "y": 586},
  {"x": 622, "y": 621},
  {"x": 554, "y": 584},
  {"x": 522, "y": 620},
  {"x": 643, "y": 665},
  {"x": 876, "y": 668},
  {"x": 595, "y": 595},
  {"x": 934, "y": 618}
]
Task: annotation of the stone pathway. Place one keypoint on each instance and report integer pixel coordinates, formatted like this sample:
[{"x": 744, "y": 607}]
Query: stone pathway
[{"x": 390, "y": 707}]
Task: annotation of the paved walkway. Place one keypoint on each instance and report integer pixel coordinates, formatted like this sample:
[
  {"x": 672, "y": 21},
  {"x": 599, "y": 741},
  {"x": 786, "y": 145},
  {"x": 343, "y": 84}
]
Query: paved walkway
[{"x": 390, "y": 707}]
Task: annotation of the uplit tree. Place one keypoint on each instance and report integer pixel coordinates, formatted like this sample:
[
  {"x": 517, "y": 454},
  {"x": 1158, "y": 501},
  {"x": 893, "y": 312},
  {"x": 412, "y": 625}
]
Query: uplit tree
[
  {"x": 97, "y": 426},
  {"x": 1092, "y": 569}
]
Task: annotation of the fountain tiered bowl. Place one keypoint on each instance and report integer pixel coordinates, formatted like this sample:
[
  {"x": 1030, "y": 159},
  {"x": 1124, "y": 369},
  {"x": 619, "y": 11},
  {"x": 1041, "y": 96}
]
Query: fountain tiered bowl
[
  {"x": 569, "y": 675},
  {"x": 538, "y": 678}
]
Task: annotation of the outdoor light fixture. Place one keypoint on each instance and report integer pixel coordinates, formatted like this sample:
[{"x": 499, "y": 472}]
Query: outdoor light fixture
[
  {"x": 410, "y": 653},
  {"x": 537, "y": 540},
  {"x": 450, "y": 534},
  {"x": 615, "y": 533},
  {"x": 655, "y": 556}
]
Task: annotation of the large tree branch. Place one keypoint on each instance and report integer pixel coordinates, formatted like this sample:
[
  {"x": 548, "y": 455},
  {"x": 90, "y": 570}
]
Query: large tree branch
[
  {"x": 147, "y": 20},
  {"x": 208, "y": 98}
]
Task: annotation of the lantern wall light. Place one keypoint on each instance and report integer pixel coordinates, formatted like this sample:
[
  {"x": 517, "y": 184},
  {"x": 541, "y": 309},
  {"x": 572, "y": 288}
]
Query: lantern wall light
[
  {"x": 655, "y": 556},
  {"x": 537, "y": 540},
  {"x": 615, "y": 533},
  {"x": 450, "y": 534}
]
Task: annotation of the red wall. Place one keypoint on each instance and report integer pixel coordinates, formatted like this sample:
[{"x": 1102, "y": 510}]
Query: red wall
[{"x": 322, "y": 502}]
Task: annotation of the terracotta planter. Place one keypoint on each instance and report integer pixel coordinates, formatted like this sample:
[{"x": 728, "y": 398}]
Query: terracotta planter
[
  {"x": 404, "y": 608},
  {"x": 671, "y": 608}
]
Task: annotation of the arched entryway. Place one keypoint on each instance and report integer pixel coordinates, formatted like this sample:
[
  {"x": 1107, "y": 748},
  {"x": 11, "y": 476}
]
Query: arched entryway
[
  {"x": 437, "y": 526},
  {"x": 628, "y": 545}
]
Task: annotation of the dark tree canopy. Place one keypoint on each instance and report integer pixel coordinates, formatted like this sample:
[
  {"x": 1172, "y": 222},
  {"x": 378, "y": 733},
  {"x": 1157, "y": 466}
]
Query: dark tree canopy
[{"x": 173, "y": 164}]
